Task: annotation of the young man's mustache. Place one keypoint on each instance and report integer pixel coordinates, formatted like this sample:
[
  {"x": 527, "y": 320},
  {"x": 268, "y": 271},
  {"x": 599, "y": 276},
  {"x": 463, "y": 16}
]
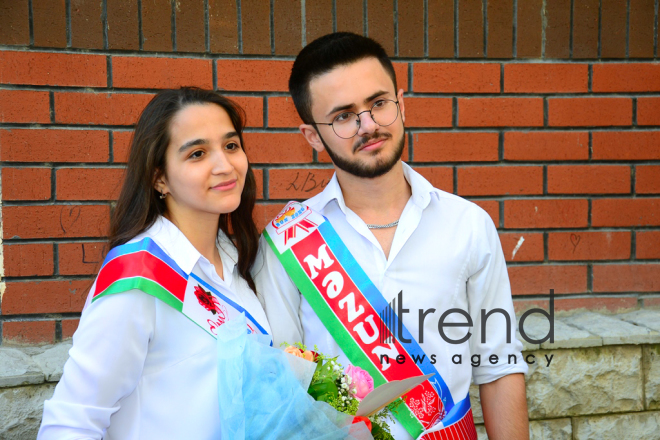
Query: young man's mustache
[{"x": 365, "y": 140}]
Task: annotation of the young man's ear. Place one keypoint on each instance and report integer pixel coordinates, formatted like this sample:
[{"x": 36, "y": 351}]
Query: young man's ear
[
  {"x": 399, "y": 97},
  {"x": 312, "y": 137}
]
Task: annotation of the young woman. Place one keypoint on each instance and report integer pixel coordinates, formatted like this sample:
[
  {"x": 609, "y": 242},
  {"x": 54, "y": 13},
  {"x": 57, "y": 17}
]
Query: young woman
[{"x": 143, "y": 362}]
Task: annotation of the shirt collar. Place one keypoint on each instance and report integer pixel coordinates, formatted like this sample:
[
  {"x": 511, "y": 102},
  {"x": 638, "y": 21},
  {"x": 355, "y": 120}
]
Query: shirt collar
[
  {"x": 421, "y": 190},
  {"x": 181, "y": 250}
]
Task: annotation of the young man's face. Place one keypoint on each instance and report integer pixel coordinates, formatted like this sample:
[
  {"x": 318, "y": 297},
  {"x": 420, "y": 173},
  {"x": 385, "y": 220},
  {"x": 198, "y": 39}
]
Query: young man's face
[{"x": 356, "y": 88}]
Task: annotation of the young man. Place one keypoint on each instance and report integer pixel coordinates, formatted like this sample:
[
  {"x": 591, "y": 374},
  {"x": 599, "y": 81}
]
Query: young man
[{"x": 396, "y": 241}]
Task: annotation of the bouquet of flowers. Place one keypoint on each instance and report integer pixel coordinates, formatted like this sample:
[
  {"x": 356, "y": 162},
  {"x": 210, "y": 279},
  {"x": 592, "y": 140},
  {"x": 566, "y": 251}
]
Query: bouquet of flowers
[{"x": 344, "y": 389}]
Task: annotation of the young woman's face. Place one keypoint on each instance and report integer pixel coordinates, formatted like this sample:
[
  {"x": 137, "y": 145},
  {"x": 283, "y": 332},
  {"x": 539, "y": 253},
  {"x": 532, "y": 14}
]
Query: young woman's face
[{"x": 205, "y": 163}]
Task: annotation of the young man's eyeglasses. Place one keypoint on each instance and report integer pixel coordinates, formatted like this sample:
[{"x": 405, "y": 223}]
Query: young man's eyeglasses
[{"x": 347, "y": 124}]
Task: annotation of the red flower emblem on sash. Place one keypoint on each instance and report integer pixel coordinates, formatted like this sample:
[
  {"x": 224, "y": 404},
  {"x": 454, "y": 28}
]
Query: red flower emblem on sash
[{"x": 206, "y": 300}]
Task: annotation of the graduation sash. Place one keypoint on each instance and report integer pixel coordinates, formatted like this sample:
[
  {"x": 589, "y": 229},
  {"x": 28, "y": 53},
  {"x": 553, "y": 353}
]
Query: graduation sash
[
  {"x": 143, "y": 265},
  {"x": 353, "y": 311}
]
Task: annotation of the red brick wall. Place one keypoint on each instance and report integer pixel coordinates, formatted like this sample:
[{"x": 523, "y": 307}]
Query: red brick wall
[{"x": 549, "y": 120}]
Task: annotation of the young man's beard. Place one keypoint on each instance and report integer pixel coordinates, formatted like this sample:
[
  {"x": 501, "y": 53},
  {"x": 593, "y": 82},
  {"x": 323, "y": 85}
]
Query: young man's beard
[{"x": 358, "y": 169}]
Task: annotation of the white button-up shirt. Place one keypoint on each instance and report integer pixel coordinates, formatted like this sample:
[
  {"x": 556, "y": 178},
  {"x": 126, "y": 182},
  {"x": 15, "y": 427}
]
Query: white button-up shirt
[
  {"x": 445, "y": 254},
  {"x": 138, "y": 368}
]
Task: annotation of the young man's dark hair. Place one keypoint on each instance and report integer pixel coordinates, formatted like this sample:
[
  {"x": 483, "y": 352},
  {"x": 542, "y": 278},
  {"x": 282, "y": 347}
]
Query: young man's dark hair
[{"x": 324, "y": 54}]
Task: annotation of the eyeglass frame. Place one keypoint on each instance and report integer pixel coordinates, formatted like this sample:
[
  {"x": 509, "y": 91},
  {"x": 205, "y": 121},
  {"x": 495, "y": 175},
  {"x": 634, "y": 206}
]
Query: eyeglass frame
[{"x": 359, "y": 121}]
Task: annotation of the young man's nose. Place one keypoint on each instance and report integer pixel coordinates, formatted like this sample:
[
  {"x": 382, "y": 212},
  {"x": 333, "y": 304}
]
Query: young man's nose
[{"x": 367, "y": 124}]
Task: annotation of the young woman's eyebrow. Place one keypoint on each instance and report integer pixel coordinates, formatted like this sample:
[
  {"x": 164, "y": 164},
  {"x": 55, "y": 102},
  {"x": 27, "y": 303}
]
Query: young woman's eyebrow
[{"x": 191, "y": 144}]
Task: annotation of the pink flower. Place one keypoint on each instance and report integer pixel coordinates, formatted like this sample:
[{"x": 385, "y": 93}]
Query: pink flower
[{"x": 361, "y": 382}]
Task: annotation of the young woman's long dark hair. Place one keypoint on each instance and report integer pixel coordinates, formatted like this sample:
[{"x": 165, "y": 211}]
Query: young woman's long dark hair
[{"x": 139, "y": 204}]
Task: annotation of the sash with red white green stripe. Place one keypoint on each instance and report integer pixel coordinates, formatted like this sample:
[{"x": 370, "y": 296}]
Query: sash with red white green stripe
[
  {"x": 350, "y": 307},
  {"x": 143, "y": 265}
]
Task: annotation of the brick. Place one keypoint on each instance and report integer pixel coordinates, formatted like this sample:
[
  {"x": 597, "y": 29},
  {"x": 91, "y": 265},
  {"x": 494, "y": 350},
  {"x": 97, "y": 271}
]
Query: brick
[
  {"x": 628, "y": 77},
  {"x": 14, "y": 23},
  {"x": 531, "y": 247},
  {"x": 456, "y": 77},
  {"x": 282, "y": 112},
  {"x": 500, "y": 29},
  {"x": 55, "y": 221},
  {"x": 589, "y": 245},
  {"x": 626, "y": 145},
  {"x": 259, "y": 178},
  {"x": 24, "y": 106},
  {"x": 53, "y": 69},
  {"x": 25, "y": 183},
  {"x": 318, "y": 20},
  {"x": 588, "y": 179},
  {"x": 440, "y": 28},
  {"x": 123, "y": 25},
  {"x": 81, "y": 258},
  {"x": 647, "y": 179},
  {"x": 535, "y": 280},
  {"x": 287, "y": 27},
  {"x": 648, "y": 111},
  {"x": 625, "y": 212},
  {"x": 25, "y": 260},
  {"x": 500, "y": 112},
  {"x": 585, "y": 29},
  {"x": 264, "y": 213},
  {"x": 607, "y": 304},
  {"x": 248, "y": 75},
  {"x": 254, "y": 109},
  {"x": 255, "y": 16},
  {"x": 529, "y": 37},
  {"x": 277, "y": 148},
  {"x": 86, "y": 24},
  {"x": 411, "y": 29},
  {"x": 161, "y": 73},
  {"x": 499, "y": 180},
  {"x": 492, "y": 207},
  {"x": 30, "y": 297},
  {"x": 89, "y": 183},
  {"x": 349, "y": 16},
  {"x": 69, "y": 327},
  {"x": 651, "y": 302},
  {"x": 557, "y": 18},
  {"x": 380, "y": 20},
  {"x": 297, "y": 183},
  {"x": 189, "y": 18},
  {"x": 545, "y": 213},
  {"x": 440, "y": 177},
  {"x": 642, "y": 18},
  {"x": 613, "y": 29},
  {"x": 49, "y": 23},
  {"x": 223, "y": 26},
  {"x": 100, "y": 108},
  {"x": 401, "y": 72},
  {"x": 428, "y": 112},
  {"x": 595, "y": 112},
  {"x": 28, "y": 332},
  {"x": 121, "y": 145},
  {"x": 545, "y": 78},
  {"x": 546, "y": 146},
  {"x": 470, "y": 29},
  {"x": 647, "y": 244},
  {"x": 47, "y": 145},
  {"x": 455, "y": 147},
  {"x": 156, "y": 28},
  {"x": 626, "y": 277}
]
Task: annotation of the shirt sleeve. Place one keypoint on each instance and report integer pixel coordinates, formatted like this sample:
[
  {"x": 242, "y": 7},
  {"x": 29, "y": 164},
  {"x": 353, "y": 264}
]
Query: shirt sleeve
[
  {"x": 279, "y": 296},
  {"x": 105, "y": 364},
  {"x": 489, "y": 292}
]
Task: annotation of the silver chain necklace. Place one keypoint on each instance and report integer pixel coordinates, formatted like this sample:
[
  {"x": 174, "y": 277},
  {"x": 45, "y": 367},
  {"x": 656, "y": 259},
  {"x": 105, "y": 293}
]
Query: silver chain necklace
[{"x": 389, "y": 225}]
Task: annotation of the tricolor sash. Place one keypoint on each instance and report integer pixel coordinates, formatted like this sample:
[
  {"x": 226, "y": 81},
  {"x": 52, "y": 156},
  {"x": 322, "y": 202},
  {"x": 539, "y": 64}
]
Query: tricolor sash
[
  {"x": 143, "y": 265},
  {"x": 350, "y": 306}
]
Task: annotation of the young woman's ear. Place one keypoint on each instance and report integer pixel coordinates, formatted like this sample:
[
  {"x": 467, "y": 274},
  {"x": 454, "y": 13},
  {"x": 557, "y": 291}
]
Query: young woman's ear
[{"x": 160, "y": 183}]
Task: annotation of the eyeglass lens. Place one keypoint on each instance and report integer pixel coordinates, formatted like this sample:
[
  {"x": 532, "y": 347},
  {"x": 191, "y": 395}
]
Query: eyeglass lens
[{"x": 384, "y": 113}]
